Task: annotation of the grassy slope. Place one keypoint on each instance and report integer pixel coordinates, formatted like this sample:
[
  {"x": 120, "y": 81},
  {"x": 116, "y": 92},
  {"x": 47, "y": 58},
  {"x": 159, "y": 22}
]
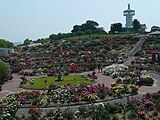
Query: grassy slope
[{"x": 97, "y": 36}]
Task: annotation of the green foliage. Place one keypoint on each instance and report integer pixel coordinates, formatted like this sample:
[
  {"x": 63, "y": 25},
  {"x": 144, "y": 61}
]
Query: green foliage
[
  {"x": 90, "y": 27},
  {"x": 60, "y": 36},
  {"x": 5, "y": 44},
  {"x": 107, "y": 47},
  {"x": 3, "y": 72},
  {"x": 116, "y": 27},
  {"x": 155, "y": 28},
  {"x": 136, "y": 25},
  {"x": 114, "y": 46},
  {"x": 27, "y": 42},
  {"x": 68, "y": 115},
  {"x": 115, "y": 118},
  {"x": 92, "y": 43},
  {"x": 157, "y": 41}
]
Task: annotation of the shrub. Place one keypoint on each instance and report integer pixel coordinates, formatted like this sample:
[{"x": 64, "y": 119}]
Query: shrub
[{"x": 4, "y": 72}]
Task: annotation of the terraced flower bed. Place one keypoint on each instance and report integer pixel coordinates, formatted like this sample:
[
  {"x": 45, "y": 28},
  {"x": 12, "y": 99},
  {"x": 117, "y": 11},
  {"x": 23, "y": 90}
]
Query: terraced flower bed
[{"x": 146, "y": 107}]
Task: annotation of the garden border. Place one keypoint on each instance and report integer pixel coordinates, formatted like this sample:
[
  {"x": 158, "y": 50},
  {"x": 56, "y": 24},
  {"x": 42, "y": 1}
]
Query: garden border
[{"x": 80, "y": 103}]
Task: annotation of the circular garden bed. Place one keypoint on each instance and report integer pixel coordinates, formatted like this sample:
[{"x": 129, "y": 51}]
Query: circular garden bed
[{"x": 47, "y": 82}]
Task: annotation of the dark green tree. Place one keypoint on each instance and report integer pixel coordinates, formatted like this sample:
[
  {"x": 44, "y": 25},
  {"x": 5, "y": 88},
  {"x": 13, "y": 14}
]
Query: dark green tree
[
  {"x": 4, "y": 72},
  {"x": 60, "y": 36},
  {"x": 27, "y": 42},
  {"x": 155, "y": 28},
  {"x": 116, "y": 27},
  {"x": 136, "y": 25},
  {"x": 5, "y": 44},
  {"x": 90, "y": 27}
]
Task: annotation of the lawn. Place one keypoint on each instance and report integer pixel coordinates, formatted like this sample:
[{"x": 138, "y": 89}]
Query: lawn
[
  {"x": 73, "y": 79},
  {"x": 97, "y": 36}
]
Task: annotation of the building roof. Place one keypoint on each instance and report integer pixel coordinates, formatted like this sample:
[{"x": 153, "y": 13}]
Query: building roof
[{"x": 155, "y": 33}]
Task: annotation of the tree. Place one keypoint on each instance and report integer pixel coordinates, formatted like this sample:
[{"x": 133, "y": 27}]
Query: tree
[
  {"x": 116, "y": 27},
  {"x": 136, "y": 25},
  {"x": 155, "y": 28},
  {"x": 90, "y": 27},
  {"x": 5, "y": 44},
  {"x": 60, "y": 36},
  {"x": 27, "y": 42},
  {"x": 4, "y": 72}
]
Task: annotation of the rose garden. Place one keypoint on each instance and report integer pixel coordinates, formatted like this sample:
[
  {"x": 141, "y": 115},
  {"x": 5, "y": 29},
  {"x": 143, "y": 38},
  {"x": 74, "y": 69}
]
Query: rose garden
[{"x": 68, "y": 73}]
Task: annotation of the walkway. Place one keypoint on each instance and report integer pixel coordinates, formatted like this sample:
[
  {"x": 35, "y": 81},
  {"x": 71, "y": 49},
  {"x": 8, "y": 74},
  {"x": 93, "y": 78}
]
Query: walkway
[{"x": 11, "y": 86}]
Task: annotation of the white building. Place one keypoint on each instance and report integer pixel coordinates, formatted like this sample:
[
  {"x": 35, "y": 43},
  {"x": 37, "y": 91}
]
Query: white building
[
  {"x": 129, "y": 16},
  {"x": 129, "y": 20},
  {"x": 6, "y": 50}
]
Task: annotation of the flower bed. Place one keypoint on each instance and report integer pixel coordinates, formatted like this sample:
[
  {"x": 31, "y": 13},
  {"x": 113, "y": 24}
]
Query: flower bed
[
  {"x": 8, "y": 107},
  {"x": 145, "y": 108},
  {"x": 70, "y": 94},
  {"x": 128, "y": 76}
]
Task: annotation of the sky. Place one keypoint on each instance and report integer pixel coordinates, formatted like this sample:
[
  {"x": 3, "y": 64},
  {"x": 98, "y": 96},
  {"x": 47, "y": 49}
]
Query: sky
[{"x": 34, "y": 19}]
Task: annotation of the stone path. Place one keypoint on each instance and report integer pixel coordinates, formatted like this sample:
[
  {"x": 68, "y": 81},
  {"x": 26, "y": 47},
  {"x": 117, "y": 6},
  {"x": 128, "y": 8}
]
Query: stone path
[{"x": 11, "y": 86}]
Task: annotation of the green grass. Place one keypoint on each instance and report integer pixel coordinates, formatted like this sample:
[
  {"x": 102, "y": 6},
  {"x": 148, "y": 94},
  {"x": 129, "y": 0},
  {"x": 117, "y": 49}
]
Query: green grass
[
  {"x": 73, "y": 79},
  {"x": 95, "y": 36}
]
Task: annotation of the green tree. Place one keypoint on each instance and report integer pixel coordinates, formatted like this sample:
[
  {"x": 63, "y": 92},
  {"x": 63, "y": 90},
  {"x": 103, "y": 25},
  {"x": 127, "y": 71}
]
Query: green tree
[
  {"x": 60, "y": 36},
  {"x": 90, "y": 27},
  {"x": 116, "y": 27},
  {"x": 136, "y": 25},
  {"x": 4, "y": 72},
  {"x": 5, "y": 44},
  {"x": 155, "y": 28},
  {"x": 27, "y": 42}
]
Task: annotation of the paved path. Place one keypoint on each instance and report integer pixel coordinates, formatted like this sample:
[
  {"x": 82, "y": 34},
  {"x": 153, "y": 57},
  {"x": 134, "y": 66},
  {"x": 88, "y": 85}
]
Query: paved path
[
  {"x": 74, "y": 108},
  {"x": 11, "y": 86},
  {"x": 129, "y": 60},
  {"x": 137, "y": 47}
]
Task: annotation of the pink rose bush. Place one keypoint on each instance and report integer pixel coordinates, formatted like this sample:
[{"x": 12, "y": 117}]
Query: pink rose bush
[
  {"x": 148, "y": 104},
  {"x": 34, "y": 111}
]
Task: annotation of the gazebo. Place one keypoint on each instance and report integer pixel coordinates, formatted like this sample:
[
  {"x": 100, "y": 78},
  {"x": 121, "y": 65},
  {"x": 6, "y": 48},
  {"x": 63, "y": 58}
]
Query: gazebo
[
  {"x": 155, "y": 33},
  {"x": 155, "y": 55}
]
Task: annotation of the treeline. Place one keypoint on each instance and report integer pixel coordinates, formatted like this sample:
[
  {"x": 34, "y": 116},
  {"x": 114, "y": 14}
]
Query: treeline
[
  {"x": 87, "y": 28},
  {"x": 5, "y": 44}
]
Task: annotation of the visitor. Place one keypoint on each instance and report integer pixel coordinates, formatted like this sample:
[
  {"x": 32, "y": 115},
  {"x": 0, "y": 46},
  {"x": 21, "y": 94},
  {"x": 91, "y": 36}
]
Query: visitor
[{"x": 99, "y": 68}]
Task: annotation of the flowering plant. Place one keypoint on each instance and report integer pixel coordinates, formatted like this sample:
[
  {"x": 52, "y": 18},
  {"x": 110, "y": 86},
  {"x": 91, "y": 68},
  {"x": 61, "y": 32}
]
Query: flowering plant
[
  {"x": 34, "y": 111},
  {"x": 92, "y": 97},
  {"x": 134, "y": 88}
]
